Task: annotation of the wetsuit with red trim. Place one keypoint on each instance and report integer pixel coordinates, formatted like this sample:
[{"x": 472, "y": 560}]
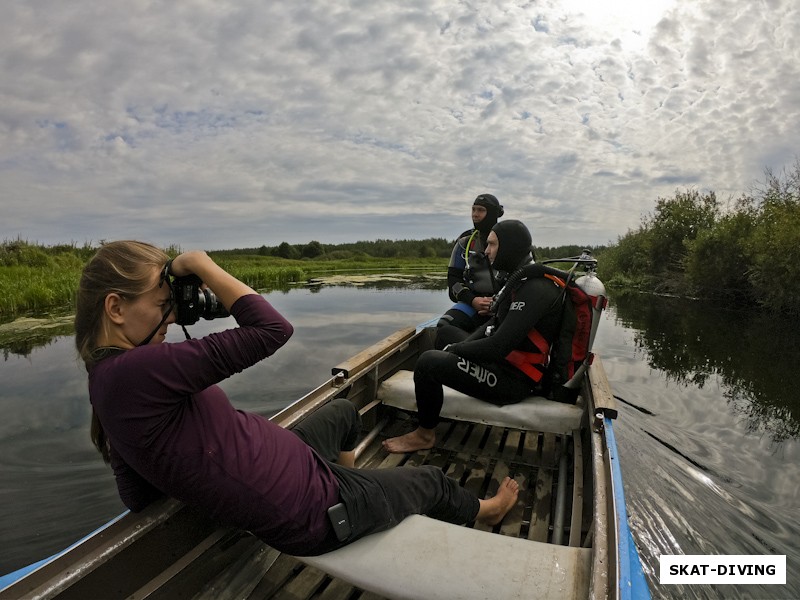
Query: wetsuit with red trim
[{"x": 482, "y": 364}]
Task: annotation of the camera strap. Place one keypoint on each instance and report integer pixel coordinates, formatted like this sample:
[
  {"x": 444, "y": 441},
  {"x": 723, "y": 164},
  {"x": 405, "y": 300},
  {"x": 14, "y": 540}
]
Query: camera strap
[
  {"x": 165, "y": 278},
  {"x": 160, "y": 323}
]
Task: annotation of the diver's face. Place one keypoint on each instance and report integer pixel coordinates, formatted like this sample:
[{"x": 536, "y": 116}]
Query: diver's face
[
  {"x": 492, "y": 246},
  {"x": 478, "y": 213}
]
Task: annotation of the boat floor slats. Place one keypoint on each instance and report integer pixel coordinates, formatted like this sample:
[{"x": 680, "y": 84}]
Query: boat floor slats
[
  {"x": 577, "y": 494},
  {"x": 480, "y": 456},
  {"x": 336, "y": 590},
  {"x": 179, "y": 571},
  {"x": 511, "y": 447},
  {"x": 543, "y": 492},
  {"x": 476, "y": 436},
  {"x": 237, "y": 581},
  {"x": 371, "y": 456},
  {"x": 279, "y": 574},
  {"x": 474, "y": 477},
  {"x": 304, "y": 585}
]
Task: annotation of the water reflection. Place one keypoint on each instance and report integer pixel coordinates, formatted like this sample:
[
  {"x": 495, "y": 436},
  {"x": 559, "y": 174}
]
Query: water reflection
[
  {"x": 750, "y": 355},
  {"x": 708, "y": 442},
  {"x": 22, "y": 340}
]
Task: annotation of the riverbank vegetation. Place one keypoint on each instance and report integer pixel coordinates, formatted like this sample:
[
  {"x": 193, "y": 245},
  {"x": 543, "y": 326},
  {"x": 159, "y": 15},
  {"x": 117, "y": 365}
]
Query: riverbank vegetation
[
  {"x": 744, "y": 252},
  {"x": 36, "y": 279}
]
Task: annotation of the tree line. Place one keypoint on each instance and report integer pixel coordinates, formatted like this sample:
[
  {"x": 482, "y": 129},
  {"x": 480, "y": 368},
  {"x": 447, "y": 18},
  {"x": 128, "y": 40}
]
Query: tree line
[
  {"x": 428, "y": 248},
  {"x": 741, "y": 253},
  {"x": 402, "y": 249}
]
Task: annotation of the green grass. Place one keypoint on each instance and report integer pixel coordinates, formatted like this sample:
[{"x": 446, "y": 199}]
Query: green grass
[
  {"x": 38, "y": 290},
  {"x": 38, "y": 281}
]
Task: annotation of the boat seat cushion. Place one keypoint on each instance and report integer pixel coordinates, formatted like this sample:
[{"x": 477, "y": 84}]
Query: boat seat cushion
[
  {"x": 467, "y": 563},
  {"x": 534, "y": 413}
]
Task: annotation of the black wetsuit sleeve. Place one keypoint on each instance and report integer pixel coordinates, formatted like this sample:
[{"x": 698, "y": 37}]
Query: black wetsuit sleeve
[
  {"x": 459, "y": 292},
  {"x": 535, "y": 304}
]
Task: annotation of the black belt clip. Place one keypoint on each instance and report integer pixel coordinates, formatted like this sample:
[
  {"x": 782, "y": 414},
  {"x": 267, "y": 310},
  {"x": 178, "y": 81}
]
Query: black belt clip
[{"x": 340, "y": 522}]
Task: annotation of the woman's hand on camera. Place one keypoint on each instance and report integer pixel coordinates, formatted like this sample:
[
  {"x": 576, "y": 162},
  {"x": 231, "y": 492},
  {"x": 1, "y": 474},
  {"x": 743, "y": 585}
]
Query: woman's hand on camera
[
  {"x": 226, "y": 287},
  {"x": 187, "y": 263}
]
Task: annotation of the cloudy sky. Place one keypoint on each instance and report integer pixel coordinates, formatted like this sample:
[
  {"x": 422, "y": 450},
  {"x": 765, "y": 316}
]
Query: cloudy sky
[{"x": 221, "y": 124}]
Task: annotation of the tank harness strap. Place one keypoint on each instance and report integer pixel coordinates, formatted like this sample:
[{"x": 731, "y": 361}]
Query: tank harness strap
[
  {"x": 557, "y": 280},
  {"x": 532, "y": 363}
]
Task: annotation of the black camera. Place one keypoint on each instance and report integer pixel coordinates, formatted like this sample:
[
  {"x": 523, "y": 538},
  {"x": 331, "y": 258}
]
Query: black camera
[{"x": 193, "y": 303}]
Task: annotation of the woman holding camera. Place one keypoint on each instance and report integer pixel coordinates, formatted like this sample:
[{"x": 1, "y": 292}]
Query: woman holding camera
[{"x": 167, "y": 429}]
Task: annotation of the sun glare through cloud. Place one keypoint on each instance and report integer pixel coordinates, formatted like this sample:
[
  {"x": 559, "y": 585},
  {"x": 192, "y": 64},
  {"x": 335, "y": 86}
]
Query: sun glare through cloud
[{"x": 630, "y": 21}]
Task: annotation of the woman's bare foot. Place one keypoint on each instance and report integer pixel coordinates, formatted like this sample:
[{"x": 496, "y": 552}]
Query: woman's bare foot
[
  {"x": 492, "y": 510},
  {"x": 419, "y": 439}
]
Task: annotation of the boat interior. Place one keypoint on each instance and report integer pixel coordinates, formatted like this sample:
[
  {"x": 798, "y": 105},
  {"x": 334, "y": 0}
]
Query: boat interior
[{"x": 552, "y": 543}]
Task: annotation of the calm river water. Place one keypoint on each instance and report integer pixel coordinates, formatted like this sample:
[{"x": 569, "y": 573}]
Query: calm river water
[{"x": 708, "y": 432}]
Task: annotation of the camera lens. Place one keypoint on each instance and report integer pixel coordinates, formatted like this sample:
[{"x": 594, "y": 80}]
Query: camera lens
[{"x": 193, "y": 303}]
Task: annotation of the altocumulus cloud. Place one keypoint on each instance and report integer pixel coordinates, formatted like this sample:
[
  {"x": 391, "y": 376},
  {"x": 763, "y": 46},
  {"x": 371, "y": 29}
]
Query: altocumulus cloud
[{"x": 229, "y": 124}]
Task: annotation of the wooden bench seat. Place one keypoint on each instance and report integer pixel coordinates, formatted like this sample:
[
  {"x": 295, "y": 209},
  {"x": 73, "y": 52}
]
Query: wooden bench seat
[
  {"x": 468, "y": 564},
  {"x": 532, "y": 414}
]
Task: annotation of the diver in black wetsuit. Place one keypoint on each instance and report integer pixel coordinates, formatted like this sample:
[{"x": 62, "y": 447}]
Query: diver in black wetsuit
[
  {"x": 469, "y": 278},
  {"x": 503, "y": 361}
]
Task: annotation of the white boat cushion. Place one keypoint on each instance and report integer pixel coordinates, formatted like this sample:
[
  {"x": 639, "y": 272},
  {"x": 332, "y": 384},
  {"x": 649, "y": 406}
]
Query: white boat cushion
[
  {"x": 425, "y": 559},
  {"x": 534, "y": 413}
]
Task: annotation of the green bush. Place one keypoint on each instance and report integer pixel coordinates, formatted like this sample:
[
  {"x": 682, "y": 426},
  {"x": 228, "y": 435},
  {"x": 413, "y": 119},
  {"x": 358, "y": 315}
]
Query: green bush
[
  {"x": 718, "y": 259},
  {"x": 748, "y": 254},
  {"x": 775, "y": 251},
  {"x": 676, "y": 222},
  {"x": 629, "y": 257}
]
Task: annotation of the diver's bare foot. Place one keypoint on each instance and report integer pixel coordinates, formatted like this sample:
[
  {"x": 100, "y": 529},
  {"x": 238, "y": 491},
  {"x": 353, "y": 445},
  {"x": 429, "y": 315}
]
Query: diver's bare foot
[
  {"x": 419, "y": 439},
  {"x": 492, "y": 510}
]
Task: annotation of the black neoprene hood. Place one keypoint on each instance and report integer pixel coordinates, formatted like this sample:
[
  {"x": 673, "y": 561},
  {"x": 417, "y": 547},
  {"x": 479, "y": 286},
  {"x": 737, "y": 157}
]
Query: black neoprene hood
[
  {"x": 494, "y": 210},
  {"x": 514, "y": 245}
]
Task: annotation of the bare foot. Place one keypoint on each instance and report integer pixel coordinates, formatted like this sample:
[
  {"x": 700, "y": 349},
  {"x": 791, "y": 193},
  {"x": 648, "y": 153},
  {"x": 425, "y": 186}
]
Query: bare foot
[
  {"x": 492, "y": 510},
  {"x": 419, "y": 439}
]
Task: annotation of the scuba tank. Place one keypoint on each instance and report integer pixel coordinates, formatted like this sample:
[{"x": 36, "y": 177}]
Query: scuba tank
[
  {"x": 590, "y": 285},
  {"x": 594, "y": 288}
]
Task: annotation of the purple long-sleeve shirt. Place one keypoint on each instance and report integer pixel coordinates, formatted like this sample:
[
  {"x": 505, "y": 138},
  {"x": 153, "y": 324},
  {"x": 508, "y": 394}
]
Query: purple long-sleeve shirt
[{"x": 174, "y": 432}]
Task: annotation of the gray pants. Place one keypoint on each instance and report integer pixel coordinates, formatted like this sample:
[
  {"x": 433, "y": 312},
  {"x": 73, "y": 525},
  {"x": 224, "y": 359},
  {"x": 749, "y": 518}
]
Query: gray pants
[
  {"x": 332, "y": 429},
  {"x": 378, "y": 499}
]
